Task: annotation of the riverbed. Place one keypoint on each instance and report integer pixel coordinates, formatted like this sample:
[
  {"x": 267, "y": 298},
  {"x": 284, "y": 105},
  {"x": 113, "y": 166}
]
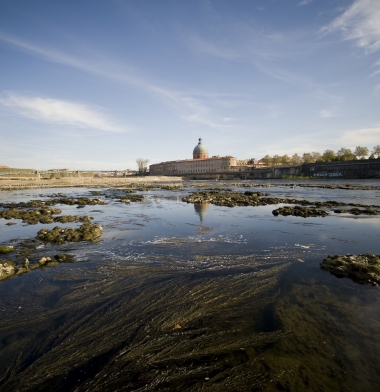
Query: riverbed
[{"x": 188, "y": 297}]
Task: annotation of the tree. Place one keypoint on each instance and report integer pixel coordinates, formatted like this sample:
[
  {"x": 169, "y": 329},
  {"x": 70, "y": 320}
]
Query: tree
[
  {"x": 268, "y": 161},
  {"x": 376, "y": 151},
  {"x": 328, "y": 156},
  {"x": 345, "y": 154},
  {"x": 296, "y": 159},
  {"x": 276, "y": 160},
  {"x": 285, "y": 160},
  {"x": 316, "y": 156},
  {"x": 307, "y": 158},
  {"x": 142, "y": 165},
  {"x": 361, "y": 152}
]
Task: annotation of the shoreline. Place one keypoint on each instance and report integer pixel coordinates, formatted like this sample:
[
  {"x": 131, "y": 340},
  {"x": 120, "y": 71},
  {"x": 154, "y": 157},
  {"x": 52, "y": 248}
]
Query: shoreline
[{"x": 68, "y": 182}]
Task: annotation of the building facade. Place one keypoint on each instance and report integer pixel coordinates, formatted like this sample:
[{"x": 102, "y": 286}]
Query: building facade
[{"x": 201, "y": 165}]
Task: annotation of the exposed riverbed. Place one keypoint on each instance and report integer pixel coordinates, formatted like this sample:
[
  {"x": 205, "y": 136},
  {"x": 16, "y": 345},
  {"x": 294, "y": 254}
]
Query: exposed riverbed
[{"x": 176, "y": 296}]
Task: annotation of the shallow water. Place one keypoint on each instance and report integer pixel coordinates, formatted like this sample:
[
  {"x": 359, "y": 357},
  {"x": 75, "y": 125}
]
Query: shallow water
[{"x": 188, "y": 297}]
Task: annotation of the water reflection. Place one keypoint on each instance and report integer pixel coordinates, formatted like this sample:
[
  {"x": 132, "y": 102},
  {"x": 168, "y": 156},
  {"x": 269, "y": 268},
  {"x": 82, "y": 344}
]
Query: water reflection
[{"x": 201, "y": 209}]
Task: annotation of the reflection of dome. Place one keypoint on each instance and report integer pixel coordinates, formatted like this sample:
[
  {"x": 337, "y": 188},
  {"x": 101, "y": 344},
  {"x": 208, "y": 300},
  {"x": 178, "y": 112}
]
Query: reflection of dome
[
  {"x": 201, "y": 209},
  {"x": 200, "y": 151}
]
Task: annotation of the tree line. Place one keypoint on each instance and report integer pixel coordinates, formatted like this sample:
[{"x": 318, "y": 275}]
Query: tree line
[{"x": 344, "y": 154}]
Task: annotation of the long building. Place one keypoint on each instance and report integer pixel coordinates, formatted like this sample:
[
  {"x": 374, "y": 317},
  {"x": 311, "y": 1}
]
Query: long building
[{"x": 202, "y": 165}]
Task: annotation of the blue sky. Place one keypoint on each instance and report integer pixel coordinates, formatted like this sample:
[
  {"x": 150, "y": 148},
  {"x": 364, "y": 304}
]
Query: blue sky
[{"x": 97, "y": 84}]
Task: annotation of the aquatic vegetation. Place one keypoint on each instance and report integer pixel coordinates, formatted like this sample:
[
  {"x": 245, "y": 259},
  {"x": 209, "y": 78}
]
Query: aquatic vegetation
[
  {"x": 130, "y": 198},
  {"x": 43, "y": 215},
  {"x": 6, "y": 248},
  {"x": 86, "y": 232},
  {"x": 299, "y": 211},
  {"x": 164, "y": 328},
  {"x": 255, "y": 199},
  {"x": 80, "y": 201},
  {"x": 364, "y": 269}
]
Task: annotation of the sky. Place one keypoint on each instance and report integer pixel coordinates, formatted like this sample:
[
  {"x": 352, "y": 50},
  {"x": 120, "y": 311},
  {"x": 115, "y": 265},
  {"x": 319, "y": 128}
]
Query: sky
[{"x": 97, "y": 84}]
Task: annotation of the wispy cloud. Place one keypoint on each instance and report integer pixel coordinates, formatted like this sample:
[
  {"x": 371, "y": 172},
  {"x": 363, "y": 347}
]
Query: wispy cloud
[
  {"x": 326, "y": 113},
  {"x": 56, "y": 111},
  {"x": 189, "y": 107},
  {"x": 305, "y": 2},
  {"x": 362, "y": 137},
  {"x": 359, "y": 23}
]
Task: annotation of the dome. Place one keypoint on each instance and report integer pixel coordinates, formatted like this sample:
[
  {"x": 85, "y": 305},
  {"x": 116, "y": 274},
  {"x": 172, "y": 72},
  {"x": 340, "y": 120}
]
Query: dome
[{"x": 200, "y": 148}]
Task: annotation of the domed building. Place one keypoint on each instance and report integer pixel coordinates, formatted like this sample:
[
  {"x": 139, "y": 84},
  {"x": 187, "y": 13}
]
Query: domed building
[
  {"x": 201, "y": 166},
  {"x": 200, "y": 151}
]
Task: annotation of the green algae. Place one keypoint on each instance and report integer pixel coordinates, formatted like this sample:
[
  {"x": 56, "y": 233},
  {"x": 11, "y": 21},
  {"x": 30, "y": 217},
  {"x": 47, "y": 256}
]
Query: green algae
[
  {"x": 358, "y": 211},
  {"x": 6, "y": 248},
  {"x": 232, "y": 199},
  {"x": 299, "y": 211},
  {"x": 86, "y": 232},
  {"x": 364, "y": 269},
  {"x": 130, "y": 198}
]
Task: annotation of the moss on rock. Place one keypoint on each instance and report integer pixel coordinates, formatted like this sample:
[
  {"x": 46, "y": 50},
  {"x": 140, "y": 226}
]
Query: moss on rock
[
  {"x": 299, "y": 211},
  {"x": 6, "y": 248},
  {"x": 87, "y": 232},
  {"x": 364, "y": 269}
]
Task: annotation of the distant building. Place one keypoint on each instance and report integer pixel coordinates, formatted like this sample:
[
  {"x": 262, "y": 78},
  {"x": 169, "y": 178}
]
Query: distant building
[{"x": 202, "y": 166}]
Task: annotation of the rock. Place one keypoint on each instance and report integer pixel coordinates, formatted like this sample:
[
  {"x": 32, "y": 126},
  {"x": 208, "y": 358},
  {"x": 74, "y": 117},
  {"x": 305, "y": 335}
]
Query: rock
[
  {"x": 65, "y": 258},
  {"x": 299, "y": 211},
  {"x": 364, "y": 268},
  {"x": 6, "y": 248},
  {"x": 44, "y": 260},
  {"x": 87, "y": 232},
  {"x": 6, "y": 270},
  {"x": 20, "y": 271}
]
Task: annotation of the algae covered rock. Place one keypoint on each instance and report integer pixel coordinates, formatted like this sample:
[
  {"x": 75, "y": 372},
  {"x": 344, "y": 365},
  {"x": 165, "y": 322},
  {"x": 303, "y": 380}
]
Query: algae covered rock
[
  {"x": 364, "y": 269},
  {"x": 32, "y": 217},
  {"x": 87, "y": 232},
  {"x": 299, "y": 211},
  {"x": 6, "y": 248},
  {"x": 130, "y": 198}
]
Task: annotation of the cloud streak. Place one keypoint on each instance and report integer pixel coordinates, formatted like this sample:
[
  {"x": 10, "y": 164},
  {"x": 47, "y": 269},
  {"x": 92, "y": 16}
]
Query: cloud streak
[
  {"x": 191, "y": 109},
  {"x": 54, "y": 111},
  {"x": 359, "y": 23}
]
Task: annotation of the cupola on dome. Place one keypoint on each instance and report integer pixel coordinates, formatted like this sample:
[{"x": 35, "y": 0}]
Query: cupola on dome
[{"x": 200, "y": 151}]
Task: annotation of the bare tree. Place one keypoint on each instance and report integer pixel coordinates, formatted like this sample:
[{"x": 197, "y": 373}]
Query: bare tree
[{"x": 142, "y": 165}]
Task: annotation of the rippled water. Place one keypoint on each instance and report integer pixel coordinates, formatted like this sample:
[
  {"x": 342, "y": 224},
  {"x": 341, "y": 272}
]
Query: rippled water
[{"x": 188, "y": 297}]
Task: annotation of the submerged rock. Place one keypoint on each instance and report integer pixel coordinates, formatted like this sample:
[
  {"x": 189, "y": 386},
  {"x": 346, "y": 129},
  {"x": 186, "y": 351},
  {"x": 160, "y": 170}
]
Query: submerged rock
[{"x": 364, "y": 269}]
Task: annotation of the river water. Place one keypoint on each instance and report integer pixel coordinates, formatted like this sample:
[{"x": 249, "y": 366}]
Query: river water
[{"x": 191, "y": 297}]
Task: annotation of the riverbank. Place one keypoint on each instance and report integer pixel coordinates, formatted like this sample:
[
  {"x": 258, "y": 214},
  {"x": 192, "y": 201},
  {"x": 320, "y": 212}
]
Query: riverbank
[{"x": 68, "y": 182}]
